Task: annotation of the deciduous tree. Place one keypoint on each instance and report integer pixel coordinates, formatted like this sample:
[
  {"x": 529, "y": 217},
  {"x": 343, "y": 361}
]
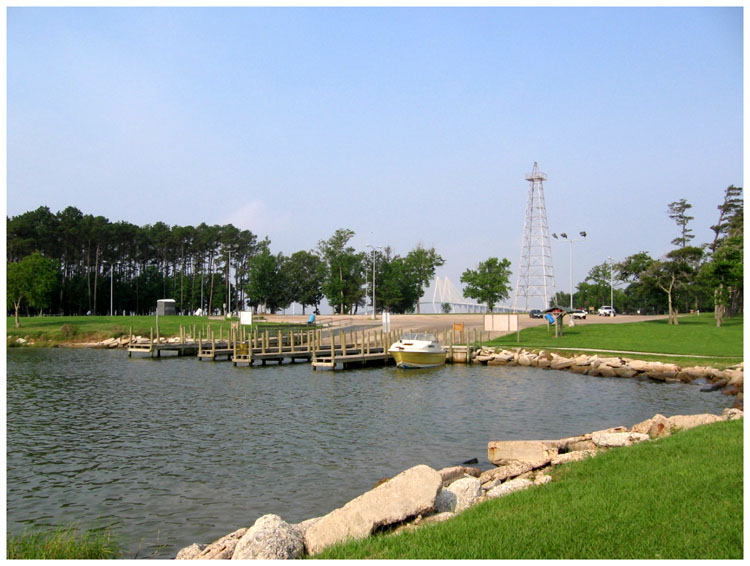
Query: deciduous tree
[
  {"x": 345, "y": 272},
  {"x": 489, "y": 283},
  {"x": 33, "y": 280}
]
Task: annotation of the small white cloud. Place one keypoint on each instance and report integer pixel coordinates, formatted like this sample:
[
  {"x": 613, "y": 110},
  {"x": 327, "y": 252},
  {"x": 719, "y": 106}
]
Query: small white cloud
[
  {"x": 254, "y": 216},
  {"x": 262, "y": 220}
]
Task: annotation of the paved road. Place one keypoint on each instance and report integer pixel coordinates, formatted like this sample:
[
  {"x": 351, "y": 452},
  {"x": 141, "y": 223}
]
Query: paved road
[{"x": 440, "y": 322}]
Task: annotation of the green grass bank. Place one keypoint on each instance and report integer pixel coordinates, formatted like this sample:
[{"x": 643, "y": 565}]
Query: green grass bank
[
  {"x": 50, "y": 331},
  {"x": 679, "y": 497},
  {"x": 696, "y": 340},
  {"x": 63, "y": 544}
]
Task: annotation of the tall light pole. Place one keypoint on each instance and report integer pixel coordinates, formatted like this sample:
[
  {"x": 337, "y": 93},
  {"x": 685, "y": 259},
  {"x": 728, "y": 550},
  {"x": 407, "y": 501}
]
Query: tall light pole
[
  {"x": 373, "y": 276},
  {"x": 564, "y": 236},
  {"x": 111, "y": 285},
  {"x": 229, "y": 284},
  {"x": 611, "y": 289}
]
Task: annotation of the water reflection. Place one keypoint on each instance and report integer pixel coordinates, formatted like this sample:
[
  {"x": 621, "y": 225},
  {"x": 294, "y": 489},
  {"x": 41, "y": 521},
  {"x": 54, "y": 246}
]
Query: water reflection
[{"x": 176, "y": 451}]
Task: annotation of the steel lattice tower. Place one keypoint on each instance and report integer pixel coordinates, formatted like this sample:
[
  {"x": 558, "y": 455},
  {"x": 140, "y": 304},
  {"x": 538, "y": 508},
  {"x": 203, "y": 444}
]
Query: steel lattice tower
[{"x": 536, "y": 279}]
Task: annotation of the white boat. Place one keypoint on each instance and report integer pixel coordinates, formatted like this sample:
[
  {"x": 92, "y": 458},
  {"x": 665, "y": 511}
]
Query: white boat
[{"x": 417, "y": 350}]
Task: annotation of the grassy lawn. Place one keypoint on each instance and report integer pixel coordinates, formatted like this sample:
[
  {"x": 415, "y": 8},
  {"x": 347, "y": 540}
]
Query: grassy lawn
[
  {"x": 679, "y": 497},
  {"x": 55, "y": 329},
  {"x": 62, "y": 544},
  {"x": 696, "y": 335}
]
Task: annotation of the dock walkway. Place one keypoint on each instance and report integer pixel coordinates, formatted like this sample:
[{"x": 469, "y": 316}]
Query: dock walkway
[{"x": 339, "y": 348}]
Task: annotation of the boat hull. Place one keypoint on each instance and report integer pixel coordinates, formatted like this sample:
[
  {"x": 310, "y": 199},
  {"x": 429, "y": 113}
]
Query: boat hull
[{"x": 406, "y": 359}]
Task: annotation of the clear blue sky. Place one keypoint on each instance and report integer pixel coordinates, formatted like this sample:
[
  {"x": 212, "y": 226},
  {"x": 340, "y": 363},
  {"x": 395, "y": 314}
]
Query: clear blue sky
[{"x": 406, "y": 125}]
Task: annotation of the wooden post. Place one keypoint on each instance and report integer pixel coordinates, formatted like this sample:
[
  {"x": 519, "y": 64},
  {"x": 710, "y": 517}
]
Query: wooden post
[
  {"x": 451, "y": 346},
  {"x": 234, "y": 353},
  {"x": 333, "y": 349}
]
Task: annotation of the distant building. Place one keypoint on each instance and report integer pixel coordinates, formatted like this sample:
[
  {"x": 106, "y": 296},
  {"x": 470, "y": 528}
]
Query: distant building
[{"x": 165, "y": 307}]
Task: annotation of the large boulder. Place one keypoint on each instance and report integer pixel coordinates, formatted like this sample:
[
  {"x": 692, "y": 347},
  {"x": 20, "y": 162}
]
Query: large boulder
[
  {"x": 559, "y": 362},
  {"x": 732, "y": 414},
  {"x": 496, "y": 476},
  {"x": 306, "y": 524},
  {"x": 576, "y": 456},
  {"x": 735, "y": 376},
  {"x": 222, "y": 549},
  {"x": 509, "y": 487},
  {"x": 655, "y": 427},
  {"x": 270, "y": 538},
  {"x": 408, "y": 494},
  {"x": 575, "y": 443},
  {"x": 616, "y": 439},
  {"x": 605, "y": 370},
  {"x": 459, "y": 495},
  {"x": 536, "y": 453},
  {"x": 189, "y": 552},
  {"x": 638, "y": 365},
  {"x": 449, "y": 475},
  {"x": 682, "y": 422},
  {"x": 625, "y": 371}
]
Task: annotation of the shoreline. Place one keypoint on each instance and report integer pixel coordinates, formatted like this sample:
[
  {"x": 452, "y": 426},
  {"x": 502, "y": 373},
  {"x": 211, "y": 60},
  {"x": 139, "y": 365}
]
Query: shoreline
[
  {"x": 422, "y": 495},
  {"x": 615, "y": 365},
  {"x": 730, "y": 380}
]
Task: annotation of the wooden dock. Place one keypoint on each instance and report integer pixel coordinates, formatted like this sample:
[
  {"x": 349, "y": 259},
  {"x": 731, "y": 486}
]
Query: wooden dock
[
  {"x": 267, "y": 346},
  {"x": 324, "y": 349},
  {"x": 359, "y": 348},
  {"x": 154, "y": 346},
  {"x": 362, "y": 349}
]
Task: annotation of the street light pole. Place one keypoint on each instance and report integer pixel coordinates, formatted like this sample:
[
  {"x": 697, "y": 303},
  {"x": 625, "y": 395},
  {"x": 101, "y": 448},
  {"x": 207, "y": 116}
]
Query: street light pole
[
  {"x": 373, "y": 277},
  {"x": 611, "y": 289},
  {"x": 564, "y": 236},
  {"x": 111, "y": 285}
]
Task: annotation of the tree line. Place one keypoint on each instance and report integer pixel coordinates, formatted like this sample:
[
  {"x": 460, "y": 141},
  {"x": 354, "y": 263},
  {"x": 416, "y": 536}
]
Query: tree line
[
  {"x": 73, "y": 263},
  {"x": 706, "y": 277},
  {"x": 91, "y": 265}
]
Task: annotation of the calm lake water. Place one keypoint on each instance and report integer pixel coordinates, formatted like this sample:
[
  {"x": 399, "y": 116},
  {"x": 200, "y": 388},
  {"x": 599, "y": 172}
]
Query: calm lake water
[{"x": 174, "y": 451}]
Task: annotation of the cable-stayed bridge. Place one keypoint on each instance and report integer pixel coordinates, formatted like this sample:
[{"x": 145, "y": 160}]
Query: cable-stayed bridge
[{"x": 444, "y": 292}]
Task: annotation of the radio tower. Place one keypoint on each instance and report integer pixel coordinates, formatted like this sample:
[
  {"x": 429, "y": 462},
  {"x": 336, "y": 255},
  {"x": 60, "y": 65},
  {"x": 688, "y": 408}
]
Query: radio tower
[{"x": 536, "y": 279}]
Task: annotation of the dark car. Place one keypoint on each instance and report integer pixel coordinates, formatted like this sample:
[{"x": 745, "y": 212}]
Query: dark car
[{"x": 535, "y": 313}]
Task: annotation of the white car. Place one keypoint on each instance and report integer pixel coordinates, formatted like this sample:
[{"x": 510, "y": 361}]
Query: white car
[
  {"x": 579, "y": 314},
  {"x": 607, "y": 310}
]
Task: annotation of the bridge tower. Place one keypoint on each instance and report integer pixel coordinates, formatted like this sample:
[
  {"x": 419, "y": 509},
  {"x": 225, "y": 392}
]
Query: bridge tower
[{"x": 536, "y": 280}]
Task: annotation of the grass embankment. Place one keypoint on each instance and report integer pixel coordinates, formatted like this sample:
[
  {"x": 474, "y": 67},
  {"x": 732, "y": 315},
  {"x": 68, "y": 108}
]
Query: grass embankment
[
  {"x": 679, "y": 497},
  {"x": 63, "y": 544},
  {"x": 53, "y": 330},
  {"x": 694, "y": 336}
]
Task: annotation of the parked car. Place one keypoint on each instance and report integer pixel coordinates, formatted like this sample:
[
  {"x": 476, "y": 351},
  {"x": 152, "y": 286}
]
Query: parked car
[
  {"x": 579, "y": 313},
  {"x": 607, "y": 310},
  {"x": 535, "y": 313}
]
